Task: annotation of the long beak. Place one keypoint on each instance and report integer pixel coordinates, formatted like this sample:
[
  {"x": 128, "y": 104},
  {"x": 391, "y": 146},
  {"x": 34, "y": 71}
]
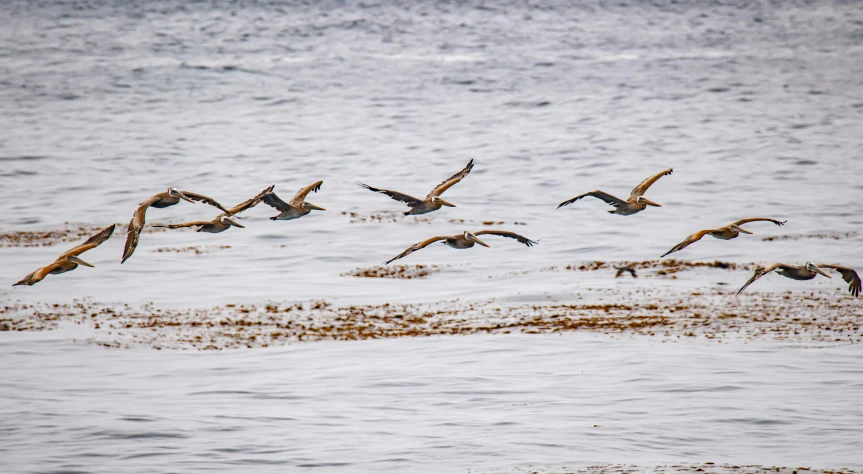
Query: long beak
[
  {"x": 741, "y": 229},
  {"x": 312, "y": 206},
  {"x": 650, "y": 203},
  {"x": 448, "y": 204},
  {"x": 481, "y": 242},
  {"x": 184, "y": 197},
  {"x": 818, "y": 270},
  {"x": 235, "y": 223},
  {"x": 77, "y": 260}
]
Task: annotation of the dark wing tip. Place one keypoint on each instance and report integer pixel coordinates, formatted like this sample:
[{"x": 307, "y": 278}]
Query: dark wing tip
[{"x": 781, "y": 222}]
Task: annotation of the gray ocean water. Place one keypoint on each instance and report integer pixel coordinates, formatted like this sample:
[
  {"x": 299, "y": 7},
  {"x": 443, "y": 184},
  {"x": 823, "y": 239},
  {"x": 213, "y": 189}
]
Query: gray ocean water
[{"x": 756, "y": 105}]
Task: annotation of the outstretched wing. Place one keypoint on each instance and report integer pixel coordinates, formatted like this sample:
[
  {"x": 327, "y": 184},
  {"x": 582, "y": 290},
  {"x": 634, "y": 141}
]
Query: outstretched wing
[
  {"x": 274, "y": 201},
  {"x": 642, "y": 188},
  {"x": 136, "y": 225},
  {"x": 614, "y": 201},
  {"x": 413, "y": 248},
  {"x": 757, "y": 219},
  {"x": 204, "y": 199},
  {"x": 301, "y": 194},
  {"x": 92, "y": 242},
  {"x": 185, "y": 224},
  {"x": 248, "y": 203},
  {"x": 405, "y": 198},
  {"x": 760, "y": 272},
  {"x": 849, "y": 275},
  {"x": 512, "y": 235},
  {"x": 448, "y": 183},
  {"x": 37, "y": 276},
  {"x": 690, "y": 239}
]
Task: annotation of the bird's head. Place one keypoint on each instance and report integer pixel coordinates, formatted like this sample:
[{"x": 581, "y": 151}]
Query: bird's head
[
  {"x": 644, "y": 200},
  {"x": 174, "y": 192},
  {"x": 440, "y": 202},
  {"x": 311, "y": 207},
  {"x": 229, "y": 221},
  {"x": 740, "y": 229},
  {"x": 473, "y": 238},
  {"x": 813, "y": 268},
  {"x": 79, "y": 261}
]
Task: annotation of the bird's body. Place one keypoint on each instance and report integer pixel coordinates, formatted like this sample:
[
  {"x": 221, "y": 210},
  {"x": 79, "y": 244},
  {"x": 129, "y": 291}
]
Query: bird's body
[
  {"x": 162, "y": 200},
  {"x": 462, "y": 241},
  {"x": 432, "y": 201},
  {"x": 807, "y": 271},
  {"x": 69, "y": 260},
  {"x": 636, "y": 202},
  {"x": 297, "y": 207},
  {"x": 731, "y": 231},
  {"x": 223, "y": 221}
]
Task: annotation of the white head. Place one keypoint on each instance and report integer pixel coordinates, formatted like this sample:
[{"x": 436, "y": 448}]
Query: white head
[
  {"x": 228, "y": 220},
  {"x": 75, "y": 259},
  {"x": 312, "y": 207},
  {"x": 812, "y": 268},
  {"x": 174, "y": 192},
  {"x": 644, "y": 200},
  {"x": 440, "y": 202},
  {"x": 473, "y": 238}
]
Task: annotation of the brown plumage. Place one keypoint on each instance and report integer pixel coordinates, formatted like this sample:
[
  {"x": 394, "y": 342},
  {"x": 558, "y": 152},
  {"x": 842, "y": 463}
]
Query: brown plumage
[
  {"x": 636, "y": 202},
  {"x": 166, "y": 199},
  {"x": 223, "y": 221},
  {"x": 465, "y": 240},
  {"x": 69, "y": 260},
  {"x": 806, "y": 271},
  {"x": 432, "y": 201},
  {"x": 297, "y": 207},
  {"x": 731, "y": 231}
]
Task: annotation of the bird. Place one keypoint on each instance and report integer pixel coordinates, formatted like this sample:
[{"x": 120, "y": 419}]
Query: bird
[
  {"x": 728, "y": 232},
  {"x": 807, "y": 271},
  {"x": 297, "y": 207},
  {"x": 636, "y": 202},
  {"x": 433, "y": 201},
  {"x": 622, "y": 270},
  {"x": 69, "y": 260},
  {"x": 166, "y": 199},
  {"x": 225, "y": 220},
  {"x": 463, "y": 241}
]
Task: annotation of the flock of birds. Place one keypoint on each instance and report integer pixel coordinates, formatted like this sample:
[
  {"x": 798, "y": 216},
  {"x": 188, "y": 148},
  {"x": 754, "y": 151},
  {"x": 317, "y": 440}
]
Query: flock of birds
[{"x": 298, "y": 207}]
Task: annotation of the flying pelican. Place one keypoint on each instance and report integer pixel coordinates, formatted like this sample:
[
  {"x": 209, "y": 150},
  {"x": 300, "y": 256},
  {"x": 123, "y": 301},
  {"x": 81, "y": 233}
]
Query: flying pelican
[
  {"x": 432, "y": 202},
  {"x": 168, "y": 198},
  {"x": 69, "y": 260},
  {"x": 462, "y": 241},
  {"x": 224, "y": 221},
  {"x": 807, "y": 271},
  {"x": 728, "y": 232},
  {"x": 636, "y": 202},
  {"x": 297, "y": 207}
]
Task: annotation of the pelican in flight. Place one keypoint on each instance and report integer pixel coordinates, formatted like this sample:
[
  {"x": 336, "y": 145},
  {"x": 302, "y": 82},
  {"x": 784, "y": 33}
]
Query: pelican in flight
[
  {"x": 636, "y": 202},
  {"x": 69, "y": 260},
  {"x": 728, "y": 232},
  {"x": 807, "y": 271},
  {"x": 433, "y": 201},
  {"x": 462, "y": 241},
  {"x": 225, "y": 220},
  {"x": 168, "y": 198},
  {"x": 297, "y": 207}
]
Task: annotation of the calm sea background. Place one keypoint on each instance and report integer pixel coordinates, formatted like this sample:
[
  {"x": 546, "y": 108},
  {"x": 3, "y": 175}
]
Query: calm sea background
[{"x": 756, "y": 105}]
